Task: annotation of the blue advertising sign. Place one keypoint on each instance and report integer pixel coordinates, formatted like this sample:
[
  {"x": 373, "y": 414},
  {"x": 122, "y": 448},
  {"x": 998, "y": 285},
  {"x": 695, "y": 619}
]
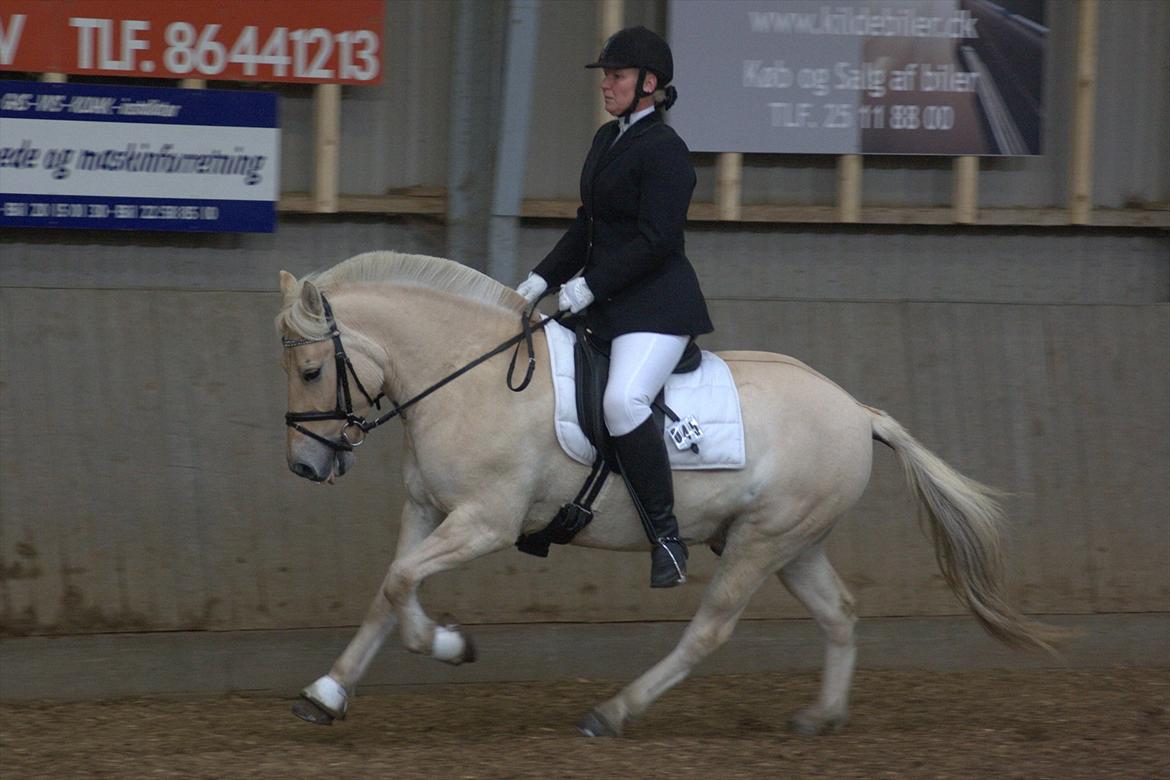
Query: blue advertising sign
[{"x": 135, "y": 158}]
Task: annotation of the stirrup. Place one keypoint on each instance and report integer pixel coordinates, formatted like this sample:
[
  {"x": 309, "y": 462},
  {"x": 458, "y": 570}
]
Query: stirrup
[{"x": 677, "y": 573}]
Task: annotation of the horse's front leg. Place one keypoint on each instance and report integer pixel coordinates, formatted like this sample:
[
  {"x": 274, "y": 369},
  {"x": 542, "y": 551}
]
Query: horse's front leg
[
  {"x": 328, "y": 697},
  {"x": 469, "y": 532}
]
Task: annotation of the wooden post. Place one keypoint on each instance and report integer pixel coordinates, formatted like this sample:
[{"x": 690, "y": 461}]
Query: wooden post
[
  {"x": 327, "y": 132},
  {"x": 849, "y": 188},
  {"x": 193, "y": 83},
  {"x": 965, "y": 192},
  {"x": 1081, "y": 173},
  {"x": 610, "y": 15},
  {"x": 53, "y": 78},
  {"x": 729, "y": 186}
]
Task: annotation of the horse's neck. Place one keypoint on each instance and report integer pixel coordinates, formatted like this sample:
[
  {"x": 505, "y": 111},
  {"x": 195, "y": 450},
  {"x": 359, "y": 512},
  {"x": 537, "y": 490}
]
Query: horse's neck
[{"x": 427, "y": 335}]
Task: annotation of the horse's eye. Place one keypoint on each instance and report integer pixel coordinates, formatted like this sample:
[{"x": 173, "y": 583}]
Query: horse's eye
[{"x": 310, "y": 374}]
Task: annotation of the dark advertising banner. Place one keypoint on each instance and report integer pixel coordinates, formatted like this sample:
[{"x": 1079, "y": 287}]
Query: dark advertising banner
[
  {"x": 137, "y": 158},
  {"x": 920, "y": 77}
]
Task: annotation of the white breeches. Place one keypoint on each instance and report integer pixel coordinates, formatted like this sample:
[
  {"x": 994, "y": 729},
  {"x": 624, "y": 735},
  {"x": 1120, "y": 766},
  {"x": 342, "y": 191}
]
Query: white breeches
[{"x": 639, "y": 365}]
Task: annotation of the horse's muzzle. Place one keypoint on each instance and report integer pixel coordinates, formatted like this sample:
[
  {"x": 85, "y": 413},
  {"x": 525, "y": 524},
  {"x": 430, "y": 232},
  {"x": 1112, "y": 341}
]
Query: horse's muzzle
[{"x": 335, "y": 466}]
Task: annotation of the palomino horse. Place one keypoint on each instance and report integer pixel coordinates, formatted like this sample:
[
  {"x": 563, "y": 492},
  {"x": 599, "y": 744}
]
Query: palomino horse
[{"x": 482, "y": 466}]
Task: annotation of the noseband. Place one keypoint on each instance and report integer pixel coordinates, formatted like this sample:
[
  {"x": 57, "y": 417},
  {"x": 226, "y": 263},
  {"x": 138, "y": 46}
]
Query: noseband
[{"x": 343, "y": 409}]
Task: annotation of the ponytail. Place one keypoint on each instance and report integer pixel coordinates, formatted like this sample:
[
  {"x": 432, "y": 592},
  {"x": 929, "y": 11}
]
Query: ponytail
[{"x": 670, "y": 94}]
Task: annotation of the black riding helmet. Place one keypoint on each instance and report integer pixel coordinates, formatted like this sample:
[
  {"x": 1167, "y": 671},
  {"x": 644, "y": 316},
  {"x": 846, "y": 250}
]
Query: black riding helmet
[{"x": 637, "y": 47}]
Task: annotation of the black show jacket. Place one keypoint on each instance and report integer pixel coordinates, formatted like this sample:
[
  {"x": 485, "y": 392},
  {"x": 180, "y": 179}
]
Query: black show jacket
[{"x": 628, "y": 234}]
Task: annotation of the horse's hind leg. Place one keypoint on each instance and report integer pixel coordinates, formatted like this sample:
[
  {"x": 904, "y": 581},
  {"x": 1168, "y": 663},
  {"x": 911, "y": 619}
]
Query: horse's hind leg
[
  {"x": 746, "y": 562},
  {"x": 812, "y": 580},
  {"x": 328, "y": 697}
]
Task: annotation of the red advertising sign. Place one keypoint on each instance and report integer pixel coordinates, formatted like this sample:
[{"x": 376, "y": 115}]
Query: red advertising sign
[{"x": 258, "y": 40}]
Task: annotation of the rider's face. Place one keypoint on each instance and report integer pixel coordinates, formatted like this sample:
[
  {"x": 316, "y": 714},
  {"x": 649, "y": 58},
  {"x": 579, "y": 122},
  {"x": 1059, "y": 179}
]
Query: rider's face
[{"x": 617, "y": 88}]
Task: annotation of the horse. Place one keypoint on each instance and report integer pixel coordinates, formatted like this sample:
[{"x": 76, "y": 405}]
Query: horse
[{"x": 482, "y": 465}]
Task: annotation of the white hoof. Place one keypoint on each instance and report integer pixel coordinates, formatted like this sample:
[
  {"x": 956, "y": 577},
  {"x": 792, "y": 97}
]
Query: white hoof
[
  {"x": 329, "y": 695},
  {"x": 450, "y": 646}
]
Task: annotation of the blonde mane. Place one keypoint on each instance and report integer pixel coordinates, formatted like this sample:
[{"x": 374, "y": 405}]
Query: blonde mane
[{"x": 432, "y": 273}]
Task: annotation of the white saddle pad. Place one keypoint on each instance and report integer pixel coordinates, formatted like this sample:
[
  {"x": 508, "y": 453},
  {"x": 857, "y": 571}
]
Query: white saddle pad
[{"x": 708, "y": 394}]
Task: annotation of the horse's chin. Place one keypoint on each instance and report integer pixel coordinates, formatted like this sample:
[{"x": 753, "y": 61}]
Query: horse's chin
[{"x": 342, "y": 463}]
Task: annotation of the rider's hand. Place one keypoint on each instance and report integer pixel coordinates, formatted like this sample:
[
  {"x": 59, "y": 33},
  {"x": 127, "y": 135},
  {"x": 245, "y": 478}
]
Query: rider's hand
[
  {"x": 575, "y": 295},
  {"x": 532, "y": 288}
]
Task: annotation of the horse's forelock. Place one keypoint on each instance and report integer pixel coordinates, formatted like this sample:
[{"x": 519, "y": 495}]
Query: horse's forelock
[{"x": 294, "y": 320}]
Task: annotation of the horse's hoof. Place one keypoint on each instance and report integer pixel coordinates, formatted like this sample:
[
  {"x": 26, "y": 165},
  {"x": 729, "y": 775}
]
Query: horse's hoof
[
  {"x": 595, "y": 725},
  {"x": 453, "y": 646},
  {"x": 469, "y": 651},
  {"x": 310, "y": 712},
  {"x": 810, "y": 725}
]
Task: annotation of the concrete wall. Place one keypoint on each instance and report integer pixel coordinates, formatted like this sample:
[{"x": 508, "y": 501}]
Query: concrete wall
[{"x": 142, "y": 445}]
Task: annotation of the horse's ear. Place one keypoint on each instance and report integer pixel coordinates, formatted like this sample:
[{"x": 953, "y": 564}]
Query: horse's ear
[
  {"x": 288, "y": 284},
  {"x": 311, "y": 299}
]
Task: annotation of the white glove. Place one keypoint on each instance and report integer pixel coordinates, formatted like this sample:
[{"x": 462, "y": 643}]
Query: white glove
[
  {"x": 532, "y": 288},
  {"x": 575, "y": 295}
]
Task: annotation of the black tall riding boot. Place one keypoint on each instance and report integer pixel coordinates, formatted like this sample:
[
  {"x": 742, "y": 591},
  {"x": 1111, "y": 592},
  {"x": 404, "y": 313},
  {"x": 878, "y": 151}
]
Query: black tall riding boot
[{"x": 641, "y": 455}]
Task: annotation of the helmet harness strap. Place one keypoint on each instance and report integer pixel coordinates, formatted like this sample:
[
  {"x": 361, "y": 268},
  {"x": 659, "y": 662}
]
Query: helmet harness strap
[{"x": 638, "y": 94}]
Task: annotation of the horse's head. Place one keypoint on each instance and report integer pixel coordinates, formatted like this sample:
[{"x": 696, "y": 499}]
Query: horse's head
[{"x": 324, "y": 416}]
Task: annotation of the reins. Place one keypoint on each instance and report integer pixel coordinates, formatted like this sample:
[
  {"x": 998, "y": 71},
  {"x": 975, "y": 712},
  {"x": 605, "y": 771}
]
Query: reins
[{"x": 344, "y": 404}]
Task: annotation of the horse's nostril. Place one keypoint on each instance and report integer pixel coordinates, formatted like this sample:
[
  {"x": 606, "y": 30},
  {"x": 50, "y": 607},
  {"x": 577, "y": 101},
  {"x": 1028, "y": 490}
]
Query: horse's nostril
[{"x": 302, "y": 469}]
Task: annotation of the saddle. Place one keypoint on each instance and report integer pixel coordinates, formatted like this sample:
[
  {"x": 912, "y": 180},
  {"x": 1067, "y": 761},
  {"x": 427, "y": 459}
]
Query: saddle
[
  {"x": 591, "y": 362},
  {"x": 591, "y": 372}
]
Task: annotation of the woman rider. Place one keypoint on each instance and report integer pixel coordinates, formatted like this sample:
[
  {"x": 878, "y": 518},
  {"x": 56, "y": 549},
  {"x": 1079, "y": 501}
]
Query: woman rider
[{"x": 636, "y": 285}]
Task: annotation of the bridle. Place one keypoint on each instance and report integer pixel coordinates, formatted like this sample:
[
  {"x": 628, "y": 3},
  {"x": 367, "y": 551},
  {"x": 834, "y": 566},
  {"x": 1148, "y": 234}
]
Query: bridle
[{"x": 343, "y": 408}]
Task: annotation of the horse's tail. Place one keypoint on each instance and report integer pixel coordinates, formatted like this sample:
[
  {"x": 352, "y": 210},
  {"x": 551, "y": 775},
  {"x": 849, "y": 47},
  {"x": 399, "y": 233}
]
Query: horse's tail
[{"x": 965, "y": 519}]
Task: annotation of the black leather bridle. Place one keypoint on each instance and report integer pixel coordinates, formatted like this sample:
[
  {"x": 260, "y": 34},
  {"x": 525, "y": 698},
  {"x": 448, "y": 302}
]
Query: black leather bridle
[{"x": 343, "y": 409}]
